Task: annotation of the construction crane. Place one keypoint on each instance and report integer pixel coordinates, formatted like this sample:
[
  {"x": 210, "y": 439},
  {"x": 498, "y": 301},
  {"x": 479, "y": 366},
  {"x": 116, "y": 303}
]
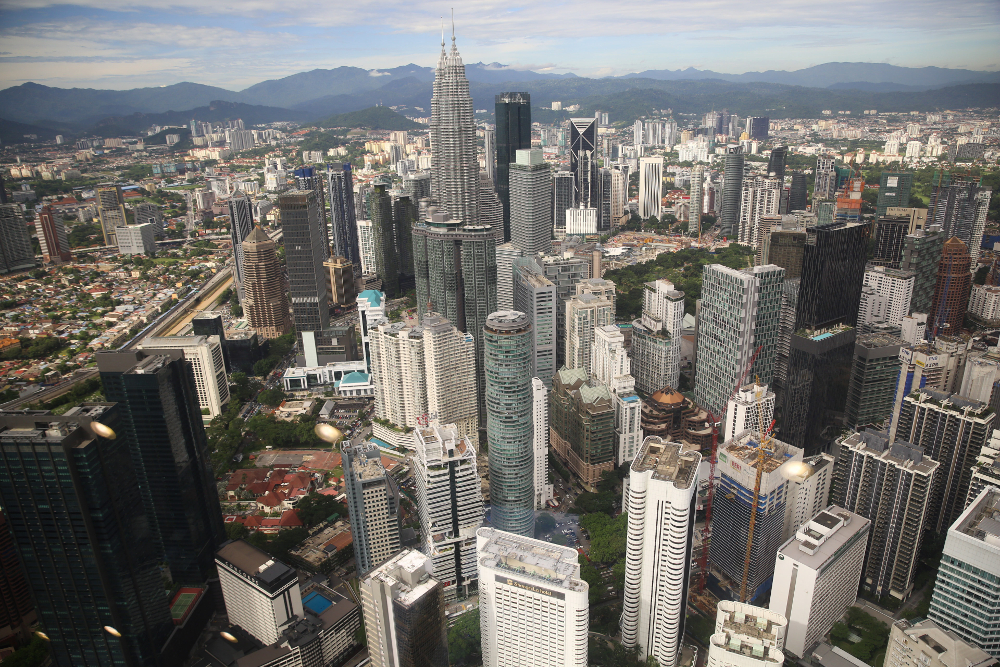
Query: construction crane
[
  {"x": 706, "y": 533},
  {"x": 763, "y": 453}
]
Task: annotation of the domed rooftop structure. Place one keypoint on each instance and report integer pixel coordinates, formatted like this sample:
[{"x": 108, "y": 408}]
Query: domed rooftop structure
[{"x": 668, "y": 396}]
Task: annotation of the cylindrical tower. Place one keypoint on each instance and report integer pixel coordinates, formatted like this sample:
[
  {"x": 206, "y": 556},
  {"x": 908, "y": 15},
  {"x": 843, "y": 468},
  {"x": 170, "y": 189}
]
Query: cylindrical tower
[{"x": 507, "y": 351}]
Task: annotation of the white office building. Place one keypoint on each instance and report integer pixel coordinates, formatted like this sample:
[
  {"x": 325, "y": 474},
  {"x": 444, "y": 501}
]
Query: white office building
[
  {"x": 205, "y": 356},
  {"x": 450, "y": 503},
  {"x": 581, "y": 221},
  {"x": 136, "y": 239},
  {"x": 747, "y": 636},
  {"x": 816, "y": 576},
  {"x": 540, "y": 442},
  {"x": 651, "y": 186},
  {"x": 656, "y": 337},
  {"x": 530, "y": 204},
  {"x": 506, "y": 254},
  {"x": 533, "y": 605},
  {"x": 366, "y": 243},
  {"x": 750, "y": 409},
  {"x": 584, "y": 314},
  {"x": 535, "y": 296},
  {"x": 895, "y": 286},
  {"x": 660, "y": 501},
  {"x": 372, "y": 504},
  {"x": 261, "y": 594}
]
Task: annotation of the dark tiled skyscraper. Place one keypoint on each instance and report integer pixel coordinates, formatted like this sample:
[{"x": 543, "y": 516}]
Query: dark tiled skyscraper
[
  {"x": 17, "y": 612},
  {"x": 797, "y": 194},
  {"x": 305, "y": 252},
  {"x": 345, "y": 222},
  {"x": 310, "y": 178},
  {"x": 240, "y": 226},
  {"x": 384, "y": 232},
  {"x": 161, "y": 421},
  {"x": 833, "y": 269},
  {"x": 776, "y": 163},
  {"x": 513, "y": 119},
  {"x": 79, "y": 522},
  {"x": 894, "y": 190}
]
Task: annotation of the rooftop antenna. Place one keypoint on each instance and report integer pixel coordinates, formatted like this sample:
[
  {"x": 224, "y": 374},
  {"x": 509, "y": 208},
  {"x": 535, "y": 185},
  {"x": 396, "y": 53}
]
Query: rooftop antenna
[
  {"x": 452, "y": 25},
  {"x": 442, "y": 33}
]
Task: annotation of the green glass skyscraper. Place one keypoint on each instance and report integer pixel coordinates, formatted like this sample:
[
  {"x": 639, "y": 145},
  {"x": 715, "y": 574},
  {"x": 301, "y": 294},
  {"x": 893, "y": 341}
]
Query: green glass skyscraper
[
  {"x": 509, "y": 427},
  {"x": 894, "y": 190}
]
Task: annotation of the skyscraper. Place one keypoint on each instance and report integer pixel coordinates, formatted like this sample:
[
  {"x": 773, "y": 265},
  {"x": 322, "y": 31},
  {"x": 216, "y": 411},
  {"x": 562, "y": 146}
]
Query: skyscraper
[
  {"x": 582, "y": 432},
  {"x": 533, "y": 604},
  {"x": 490, "y": 208},
  {"x": 951, "y": 292},
  {"x": 148, "y": 212},
  {"x": 824, "y": 180},
  {"x": 750, "y": 409},
  {"x": 16, "y": 253},
  {"x": 506, "y": 254},
  {"x": 660, "y": 502},
  {"x": 456, "y": 273},
  {"x": 656, "y": 337},
  {"x": 697, "y": 200},
  {"x": 208, "y": 366},
  {"x": 535, "y": 296},
  {"x": 890, "y": 485},
  {"x": 450, "y": 504},
  {"x": 776, "y": 163},
  {"x": 513, "y": 123},
  {"x": 758, "y": 127},
  {"x": 454, "y": 163},
  {"x": 528, "y": 211},
  {"x": 913, "y": 642},
  {"x": 797, "y": 193},
  {"x": 373, "y": 505},
  {"x": 387, "y": 260},
  {"x": 890, "y": 234},
  {"x": 759, "y": 198},
  {"x": 404, "y": 613},
  {"x": 650, "y": 186},
  {"x": 922, "y": 255},
  {"x": 162, "y": 424},
  {"x": 583, "y": 161},
  {"x": 111, "y": 210},
  {"x": 732, "y": 190},
  {"x": 563, "y": 196},
  {"x": 490, "y": 152},
  {"x": 540, "y": 442},
  {"x": 404, "y": 214},
  {"x": 51, "y": 233},
  {"x": 240, "y": 226},
  {"x": 340, "y": 182},
  {"x": 311, "y": 178},
  {"x": 584, "y": 314},
  {"x": 894, "y": 190},
  {"x": 833, "y": 269},
  {"x": 265, "y": 302},
  {"x": 740, "y": 311},
  {"x": 85, "y": 575},
  {"x": 874, "y": 375},
  {"x": 509, "y": 429},
  {"x": 966, "y": 594},
  {"x": 305, "y": 252},
  {"x": 17, "y": 611},
  {"x": 959, "y": 205}
]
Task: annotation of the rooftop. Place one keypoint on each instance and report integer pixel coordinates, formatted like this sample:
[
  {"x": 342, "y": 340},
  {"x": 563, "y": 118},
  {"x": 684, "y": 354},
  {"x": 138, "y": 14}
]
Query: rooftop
[
  {"x": 824, "y": 538},
  {"x": 981, "y": 520},
  {"x": 554, "y": 565},
  {"x": 668, "y": 462},
  {"x": 949, "y": 648},
  {"x": 408, "y": 574},
  {"x": 735, "y": 644},
  {"x": 253, "y": 562}
]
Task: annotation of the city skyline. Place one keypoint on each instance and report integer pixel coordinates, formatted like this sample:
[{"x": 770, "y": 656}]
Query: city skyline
[{"x": 187, "y": 41}]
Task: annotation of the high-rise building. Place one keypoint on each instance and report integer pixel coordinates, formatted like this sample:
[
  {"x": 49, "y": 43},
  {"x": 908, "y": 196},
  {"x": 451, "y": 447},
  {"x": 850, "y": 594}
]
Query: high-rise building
[
  {"x": 265, "y": 302},
  {"x": 340, "y": 187},
  {"x": 583, "y": 161},
  {"x": 17, "y": 611},
  {"x": 697, "y": 199},
  {"x": 750, "y": 409},
  {"x": 509, "y": 426},
  {"x": 563, "y": 198},
  {"x": 890, "y": 485},
  {"x": 584, "y": 313},
  {"x": 785, "y": 247},
  {"x": 959, "y": 205},
  {"x": 951, "y": 430},
  {"x": 874, "y": 375},
  {"x": 798, "y": 192},
  {"x": 111, "y": 558},
  {"x": 404, "y": 613},
  {"x": 951, "y": 291},
  {"x": 758, "y": 127},
  {"x": 135, "y": 239},
  {"x": 490, "y": 208},
  {"x": 162, "y": 422},
  {"x": 373, "y": 506},
  {"x": 612, "y": 368},
  {"x": 529, "y": 210},
  {"x": 51, "y": 233},
  {"x": 582, "y": 432},
  {"x": 737, "y": 471},
  {"x": 746, "y": 636},
  {"x": 540, "y": 442},
  {"x": 732, "y": 190},
  {"x": 341, "y": 285},
  {"x": 305, "y": 251},
  {"x": 261, "y": 594},
  {"x": 424, "y": 372},
  {"x": 418, "y": 186},
  {"x": 565, "y": 273},
  {"x": 808, "y": 492},
  {"x": 759, "y": 198},
  {"x": 240, "y": 226},
  {"x": 533, "y": 605},
  {"x": 513, "y": 123},
  {"x": 833, "y": 268},
  {"x": 885, "y": 295},
  {"x": 506, "y": 254},
  {"x": 740, "y": 311},
  {"x": 924, "y": 643},
  {"x": 966, "y": 593},
  {"x": 208, "y": 365},
  {"x": 366, "y": 246},
  {"x": 111, "y": 211},
  {"x": 619, "y": 190},
  {"x": 922, "y": 254},
  {"x": 535, "y": 296},
  {"x": 450, "y": 504},
  {"x": 311, "y": 179},
  {"x": 490, "y": 152},
  {"x": 825, "y": 180},
  {"x": 776, "y": 163},
  {"x": 656, "y": 337},
  {"x": 816, "y": 575},
  {"x": 454, "y": 163},
  {"x": 660, "y": 501},
  {"x": 894, "y": 190},
  {"x": 16, "y": 253},
  {"x": 650, "y": 186},
  {"x": 387, "y": 259}
]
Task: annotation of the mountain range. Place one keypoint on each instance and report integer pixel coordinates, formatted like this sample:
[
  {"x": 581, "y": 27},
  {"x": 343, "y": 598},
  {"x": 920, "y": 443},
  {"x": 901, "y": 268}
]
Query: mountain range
[{"x": 316, "y": 94}]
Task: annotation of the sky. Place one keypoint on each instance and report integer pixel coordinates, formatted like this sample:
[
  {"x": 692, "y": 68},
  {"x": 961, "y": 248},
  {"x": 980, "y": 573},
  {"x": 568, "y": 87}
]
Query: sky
[{"x": 121, "y": 44}]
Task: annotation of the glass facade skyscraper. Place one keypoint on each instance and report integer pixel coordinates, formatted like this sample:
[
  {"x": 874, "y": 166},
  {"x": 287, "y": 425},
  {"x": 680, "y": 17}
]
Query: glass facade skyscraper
[
  {"x": 305, "y": 252},
  {"x": 513, "y": 119},
  {"x": 833, "y": 271},
  {"x": 507, "y": 340},
  {"x": 340, "y": 183},
  {"x": 241, "y": 224},
  {"x": 583, "y": 161},
  {"x": 732, "y": 190}
]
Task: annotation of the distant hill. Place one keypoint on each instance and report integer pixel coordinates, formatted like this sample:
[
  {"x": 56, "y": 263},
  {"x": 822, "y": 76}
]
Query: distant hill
[
  {"x": 373, "y": 118},
  {"x": 12, "y": 132},
  {"x": 215, "y": 112},
  {"x": 318, "y": 83}
]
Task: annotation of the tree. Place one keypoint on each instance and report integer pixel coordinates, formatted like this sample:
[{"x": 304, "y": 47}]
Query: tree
[
  {"x": 271, "y": 397},
  {"x": 316, "y": 507},
  {"x": 465, "y": 640},
  {"x": 607, "y": 536},
  {"x": 236, "y": 530}
]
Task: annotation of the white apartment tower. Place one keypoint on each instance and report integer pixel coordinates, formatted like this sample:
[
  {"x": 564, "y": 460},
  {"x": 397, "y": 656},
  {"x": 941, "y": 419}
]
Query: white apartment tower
[
  {"x": 506, "y": 254},
  {"x": 747, "y": 636},
  {"x": 895, "y": 286},
  {"x": 450, "y": 503},
  {"x": 660, "y": 501},
  {"x": 650, "y": 186},
  {"x": 816, "y": 576},
  {"x": 535, "y": 296},
  {"x": 205, "y": 355},
  {"x": 750, "y": 409},
  {"x": 656, "y": 337},
  {"x": 619, "y": 188},
  {"x": 584, "y": 314},
  {"x": 697, "y": 199},
  {"x": 366, "y": 244},
  {"x": 373, "y": 505},
  {"x": 540, "y": 442},
  {"x": 610, "y": 365},
  {"x": 261, "y": 594},
  {"x": 533, "y": 605},
  {"x": 808, "y": 492},
  {"x": 759, "y": 198}
]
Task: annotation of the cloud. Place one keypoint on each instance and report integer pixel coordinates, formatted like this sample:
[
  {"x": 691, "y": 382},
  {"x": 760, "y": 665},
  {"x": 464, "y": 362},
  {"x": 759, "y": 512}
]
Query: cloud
[{"x": 375, "y": 72}]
